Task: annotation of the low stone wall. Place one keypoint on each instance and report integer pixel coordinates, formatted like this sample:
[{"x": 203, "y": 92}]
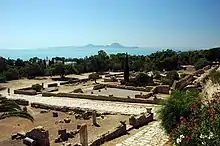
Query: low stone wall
[
  {"x": 21, "y": 102},
  {"x": 25, "y": 92},
  {"x": 145, "y": 96},
  {"x": 207, "y": 67},
  {"x": 165, "y": 89},
  {"x": 116, "y": 132},
  {"x": 77, "y": 110},
  {"x": 51, "y": 107},
  {"x": 52, "y": 89},
  {"x": 180, "y": 84},
  {"x": 105, "y": 98},
  {"x": 140, "y": 120},
  {"x": 199, "y": 72},
  {"x": 146, "y": 89},
  {"x": 99, "y": 86}
]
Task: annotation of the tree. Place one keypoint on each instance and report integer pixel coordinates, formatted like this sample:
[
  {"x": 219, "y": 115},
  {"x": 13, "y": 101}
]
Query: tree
[
  {"x": 170, "y": 77},
  {"x": 143, "y": 79},
  {"x": 126, "y": 69},
  {"x": 19, "y": 63},
  {"x": 9, "y": 108},
  {"x": 2, "y": 78},
  {"x": 11, "y": 74},
  {"x": 94, "y": 76},
  {"x": 202, "y": 62},
  {"x": 59, "y": 69}
]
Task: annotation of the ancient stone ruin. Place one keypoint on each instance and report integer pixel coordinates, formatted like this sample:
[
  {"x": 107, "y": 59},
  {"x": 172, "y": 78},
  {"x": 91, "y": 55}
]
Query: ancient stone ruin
[{"x": 38, "y": 135}]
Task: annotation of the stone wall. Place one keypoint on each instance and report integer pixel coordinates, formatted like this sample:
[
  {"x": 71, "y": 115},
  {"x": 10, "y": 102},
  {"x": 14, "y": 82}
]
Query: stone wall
[
  {"x": 21, "y": 101},
  {"x": 98, "y": 86},
  {"x": 145, "y": 96},
  {"x": 146, "y": 89},
  {"x": 141, "y": 120},
  {"x": 51, "y": 89},
  {"x": 25, "y": 92},
  {"x": 77, "y": 110},
  {"x": 165, "y": 89},
  {"x": 105, "y": 98},
  {"x": 180, "y": 84},
  {"x": 116, "y": 132},
  {"x": 190, "y": 81}
]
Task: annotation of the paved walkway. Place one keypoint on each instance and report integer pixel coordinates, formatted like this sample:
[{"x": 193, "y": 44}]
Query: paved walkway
[
  {"x": 151, "y": 135},
  {"x": 102, "y": 106}
]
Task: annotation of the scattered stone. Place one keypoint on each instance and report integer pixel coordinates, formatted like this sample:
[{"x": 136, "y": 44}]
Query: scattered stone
[
  {"x": 40, "y": 135},
  {"x": 129, "y": 97},
  {"x": 14, "y": 136},
  {"x": 44, "y": 111},
  {"x": 24, "y": 109},
  {"x": 71, "y": 134},
  {"x": 149, "y": 110},
  {"x": 60, "y": 121},
  {"x": 78, "y": 126},
  {"x": 67, "y": 120},
  {"x": 105, "y": 88},
  {"x": 21, "y": 134},
  {"x": 29, "y": 141},
  {"x": 55, "y": 114},
  {"x": 102, "y": 116},
  {"x": 91, "y": 92},
  {"x": 79, "y": 90},
  {"x": 18, "y": 124},
  {"x": 68, "y": 144},
  {"x": 57, "y": 140},
  {"x": 70, "y": 113},
  {"x": 63, "y": 134},
  {"x": 99, "y": 90},
  {"x": 111, "y": 95},
  {"x": 77, "y": 116}
]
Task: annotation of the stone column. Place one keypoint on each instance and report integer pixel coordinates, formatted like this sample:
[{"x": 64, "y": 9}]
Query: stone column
[
  {"x": 83, "y": 135},
  {"x": 94, "y": 118}
]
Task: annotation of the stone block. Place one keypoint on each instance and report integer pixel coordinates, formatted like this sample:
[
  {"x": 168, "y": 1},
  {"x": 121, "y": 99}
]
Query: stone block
[
  {"x": 55, "y": 114},
  {"x": 29, "y": 142}
]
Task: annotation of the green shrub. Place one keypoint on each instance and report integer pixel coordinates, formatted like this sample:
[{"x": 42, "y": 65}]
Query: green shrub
[
  {"x": 11, "y": 74},
  {"x": 215, "y": 77},
  {"x": 143, "y": 79},
  {"x": 37, "y": 87},
  {"x": 202, "y": 62},
  {"x": 94, "y": 76},
  {"x": 2, "y": 78},
  {"x": 179, "y": 104},
  {"x": 157, "y": 75},
  {"x": 170, "y": 77},
  {"x": 173, "y": 75},
  {"x": 201, "y": 127},
  {"x": 182, "y": 75},
  {"x": 166, "y": 81}
]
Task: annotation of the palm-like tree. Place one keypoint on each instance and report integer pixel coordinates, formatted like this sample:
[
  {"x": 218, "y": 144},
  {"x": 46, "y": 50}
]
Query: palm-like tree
[{"x": 9, "y": 108}]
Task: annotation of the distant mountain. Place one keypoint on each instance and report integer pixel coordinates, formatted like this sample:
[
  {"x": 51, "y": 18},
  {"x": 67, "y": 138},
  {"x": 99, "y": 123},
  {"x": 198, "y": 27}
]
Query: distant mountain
[{"x": 113, "y": 45}]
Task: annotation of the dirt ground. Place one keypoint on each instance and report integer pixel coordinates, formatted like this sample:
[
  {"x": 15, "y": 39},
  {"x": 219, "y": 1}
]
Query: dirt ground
[{"x": 13, "y": 125}]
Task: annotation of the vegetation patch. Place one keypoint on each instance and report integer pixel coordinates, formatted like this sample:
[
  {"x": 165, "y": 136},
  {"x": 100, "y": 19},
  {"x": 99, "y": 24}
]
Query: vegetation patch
[{"x": 191, "y": 120}]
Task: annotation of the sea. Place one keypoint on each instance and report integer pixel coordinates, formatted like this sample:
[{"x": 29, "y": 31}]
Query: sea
[{"x": 75, "y": 52}]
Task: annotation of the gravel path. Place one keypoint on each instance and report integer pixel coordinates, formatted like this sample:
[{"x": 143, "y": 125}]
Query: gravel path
[
  {"x": 151, "y": 135},
  {"x": 102, "y": 106}
]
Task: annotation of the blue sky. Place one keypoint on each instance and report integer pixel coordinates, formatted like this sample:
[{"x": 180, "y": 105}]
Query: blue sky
[{"x": 146, "y": 23}]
